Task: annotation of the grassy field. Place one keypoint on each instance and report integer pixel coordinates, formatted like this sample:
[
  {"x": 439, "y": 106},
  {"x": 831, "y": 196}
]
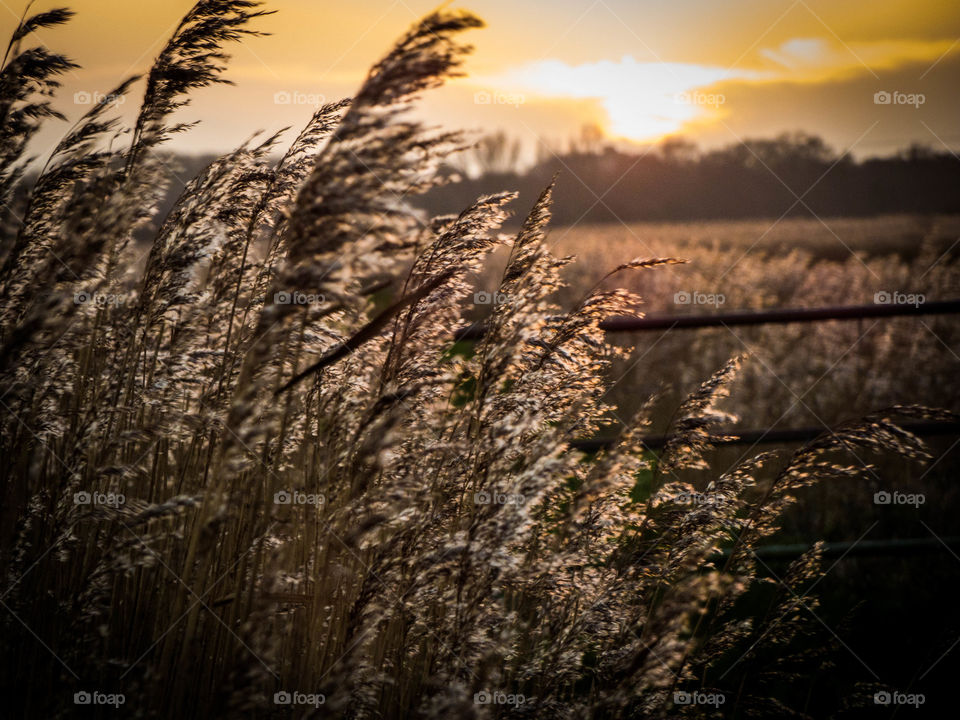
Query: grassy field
[
  {"x": 801, "y": 374},
  {"x": 828, "y": 239}
]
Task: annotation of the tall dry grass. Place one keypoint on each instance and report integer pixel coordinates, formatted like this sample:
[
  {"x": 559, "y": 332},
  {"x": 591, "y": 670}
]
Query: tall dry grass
[{"x": 242, "y": 472}]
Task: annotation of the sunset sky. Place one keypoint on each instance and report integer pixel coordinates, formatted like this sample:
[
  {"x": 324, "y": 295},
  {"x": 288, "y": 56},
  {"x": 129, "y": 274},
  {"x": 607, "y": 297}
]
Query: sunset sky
[{"x": 713, "y": 72}]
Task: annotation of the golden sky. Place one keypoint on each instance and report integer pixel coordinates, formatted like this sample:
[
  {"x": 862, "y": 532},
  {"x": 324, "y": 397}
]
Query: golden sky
[{"x": 711, "y": 71}]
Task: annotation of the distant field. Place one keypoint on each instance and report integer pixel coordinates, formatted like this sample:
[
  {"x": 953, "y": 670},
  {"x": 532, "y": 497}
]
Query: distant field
[
  {"x": 722, "y": 255},
  {"x": 829, "y": 239},
  {"x": 800, "y": 375},
  {"x": 798, "y": 263}
]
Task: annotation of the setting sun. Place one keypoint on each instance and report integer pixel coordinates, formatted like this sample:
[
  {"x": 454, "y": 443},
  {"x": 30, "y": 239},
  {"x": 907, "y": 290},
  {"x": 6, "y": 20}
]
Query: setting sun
[{"x": 642, "y": 101}]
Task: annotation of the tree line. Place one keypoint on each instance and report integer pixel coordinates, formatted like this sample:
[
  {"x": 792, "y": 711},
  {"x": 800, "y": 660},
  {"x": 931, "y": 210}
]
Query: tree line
[{"x": 792, "y": 175}]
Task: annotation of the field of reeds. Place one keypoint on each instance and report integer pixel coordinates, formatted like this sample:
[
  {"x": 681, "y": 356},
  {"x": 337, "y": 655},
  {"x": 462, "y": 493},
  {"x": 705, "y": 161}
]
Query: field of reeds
[
  {"x": 844, "y": 367},
  {"x": 251, "y": 475}
]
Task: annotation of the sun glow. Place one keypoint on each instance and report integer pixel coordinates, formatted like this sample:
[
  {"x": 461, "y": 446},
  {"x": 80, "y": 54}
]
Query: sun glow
[{"x": 643, "y": 102}]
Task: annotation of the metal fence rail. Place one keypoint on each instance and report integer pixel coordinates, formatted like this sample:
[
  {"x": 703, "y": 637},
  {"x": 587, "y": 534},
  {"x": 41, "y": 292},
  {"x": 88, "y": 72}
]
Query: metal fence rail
[
  {"x": 794, "y": 435},
  {"x": 795, "y": 315},
  {"x": 760, "y": 317},
  {"x": 843, "y": 549}
]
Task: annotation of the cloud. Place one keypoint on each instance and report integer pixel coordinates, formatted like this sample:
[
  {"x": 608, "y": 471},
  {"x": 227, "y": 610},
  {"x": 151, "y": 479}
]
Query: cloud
[
  {"x": 800, "y": 52},
  {"x": 813, "y": 59}
]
